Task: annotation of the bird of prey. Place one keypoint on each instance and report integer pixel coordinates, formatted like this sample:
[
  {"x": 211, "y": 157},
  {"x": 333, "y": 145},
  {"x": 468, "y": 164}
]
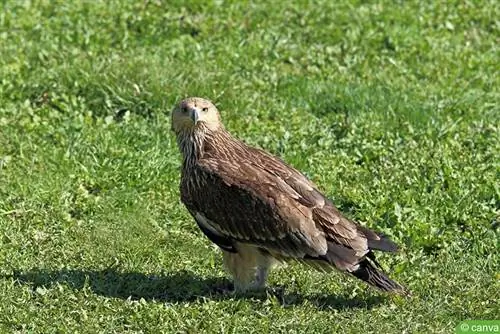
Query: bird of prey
[{"x": 261, "y": 211}]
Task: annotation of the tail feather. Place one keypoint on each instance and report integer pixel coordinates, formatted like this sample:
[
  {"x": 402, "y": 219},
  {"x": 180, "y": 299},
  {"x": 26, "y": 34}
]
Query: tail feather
[
  {"x": 378, "y": 240},
  {"x": 377, "y": 278}
]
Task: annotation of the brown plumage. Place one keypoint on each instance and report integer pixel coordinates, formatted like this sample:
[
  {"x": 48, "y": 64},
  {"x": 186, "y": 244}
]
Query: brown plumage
[{"x": 260, "y": 211}]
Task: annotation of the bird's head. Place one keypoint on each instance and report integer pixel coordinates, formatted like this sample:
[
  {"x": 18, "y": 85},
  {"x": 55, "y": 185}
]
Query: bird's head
[{"x": 195, "y": 113}]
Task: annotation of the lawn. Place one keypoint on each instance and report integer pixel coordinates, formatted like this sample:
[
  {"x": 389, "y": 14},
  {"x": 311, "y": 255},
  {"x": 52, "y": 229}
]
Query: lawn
[{"x": 392, "y": 108}]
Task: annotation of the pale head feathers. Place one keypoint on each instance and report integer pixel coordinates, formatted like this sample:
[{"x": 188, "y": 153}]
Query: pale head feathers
[
  {"x": 193, "y": 120},
  {"x": 195, "y": 113}
]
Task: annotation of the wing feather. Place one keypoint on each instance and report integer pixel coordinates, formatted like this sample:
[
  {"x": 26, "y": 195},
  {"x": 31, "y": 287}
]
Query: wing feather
[{"x": 259, "y": 199}]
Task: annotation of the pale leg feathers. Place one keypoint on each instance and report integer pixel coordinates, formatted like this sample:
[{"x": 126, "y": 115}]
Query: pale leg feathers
[
  {"x": 249, "y": 267},
  {"x": 265, "y": 263}
]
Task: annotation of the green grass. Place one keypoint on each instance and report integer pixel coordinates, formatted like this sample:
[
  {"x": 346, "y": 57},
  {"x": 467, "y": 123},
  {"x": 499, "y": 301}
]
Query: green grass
[{"x": 391, "y": 108}]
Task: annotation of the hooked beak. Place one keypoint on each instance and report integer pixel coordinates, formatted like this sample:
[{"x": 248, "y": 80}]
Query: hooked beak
[{"x": 193, "y": 114}]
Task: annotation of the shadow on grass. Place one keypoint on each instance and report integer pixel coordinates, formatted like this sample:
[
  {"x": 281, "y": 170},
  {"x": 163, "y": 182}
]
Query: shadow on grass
[{"x": 181, "y": 286}]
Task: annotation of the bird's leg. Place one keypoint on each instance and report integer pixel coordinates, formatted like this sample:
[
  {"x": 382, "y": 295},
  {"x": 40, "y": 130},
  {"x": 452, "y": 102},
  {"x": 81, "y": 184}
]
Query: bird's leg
[
  {"x": 242, "y": 266},
  {"x": 261, "y": 277},
  {"x": 264, "y": 264}
]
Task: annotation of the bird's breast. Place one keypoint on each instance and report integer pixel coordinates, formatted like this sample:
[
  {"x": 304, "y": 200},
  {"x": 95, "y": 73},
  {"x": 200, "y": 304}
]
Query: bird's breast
[{"x": 191, "y": 184}]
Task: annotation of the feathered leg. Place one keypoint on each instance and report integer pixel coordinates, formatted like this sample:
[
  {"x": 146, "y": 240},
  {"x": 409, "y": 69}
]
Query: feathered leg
[
  {"x": 264, "y": 264},
  {"x": 242, "y": 266},
  {"x": 250, "y": 267},
  {"x": 261, "y": 277}
]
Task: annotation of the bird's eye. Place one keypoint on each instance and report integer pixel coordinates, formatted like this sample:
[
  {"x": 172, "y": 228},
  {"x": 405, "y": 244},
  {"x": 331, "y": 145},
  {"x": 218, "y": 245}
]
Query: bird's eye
[{"x": 204, "y": 109}]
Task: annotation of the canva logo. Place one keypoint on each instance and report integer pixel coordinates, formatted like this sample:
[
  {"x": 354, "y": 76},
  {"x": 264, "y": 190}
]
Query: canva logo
[{"x": 479, "y": 326}]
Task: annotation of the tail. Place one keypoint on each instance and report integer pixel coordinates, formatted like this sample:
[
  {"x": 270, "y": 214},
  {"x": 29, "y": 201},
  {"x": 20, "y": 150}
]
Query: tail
[{"x": 377, "y": 278}]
